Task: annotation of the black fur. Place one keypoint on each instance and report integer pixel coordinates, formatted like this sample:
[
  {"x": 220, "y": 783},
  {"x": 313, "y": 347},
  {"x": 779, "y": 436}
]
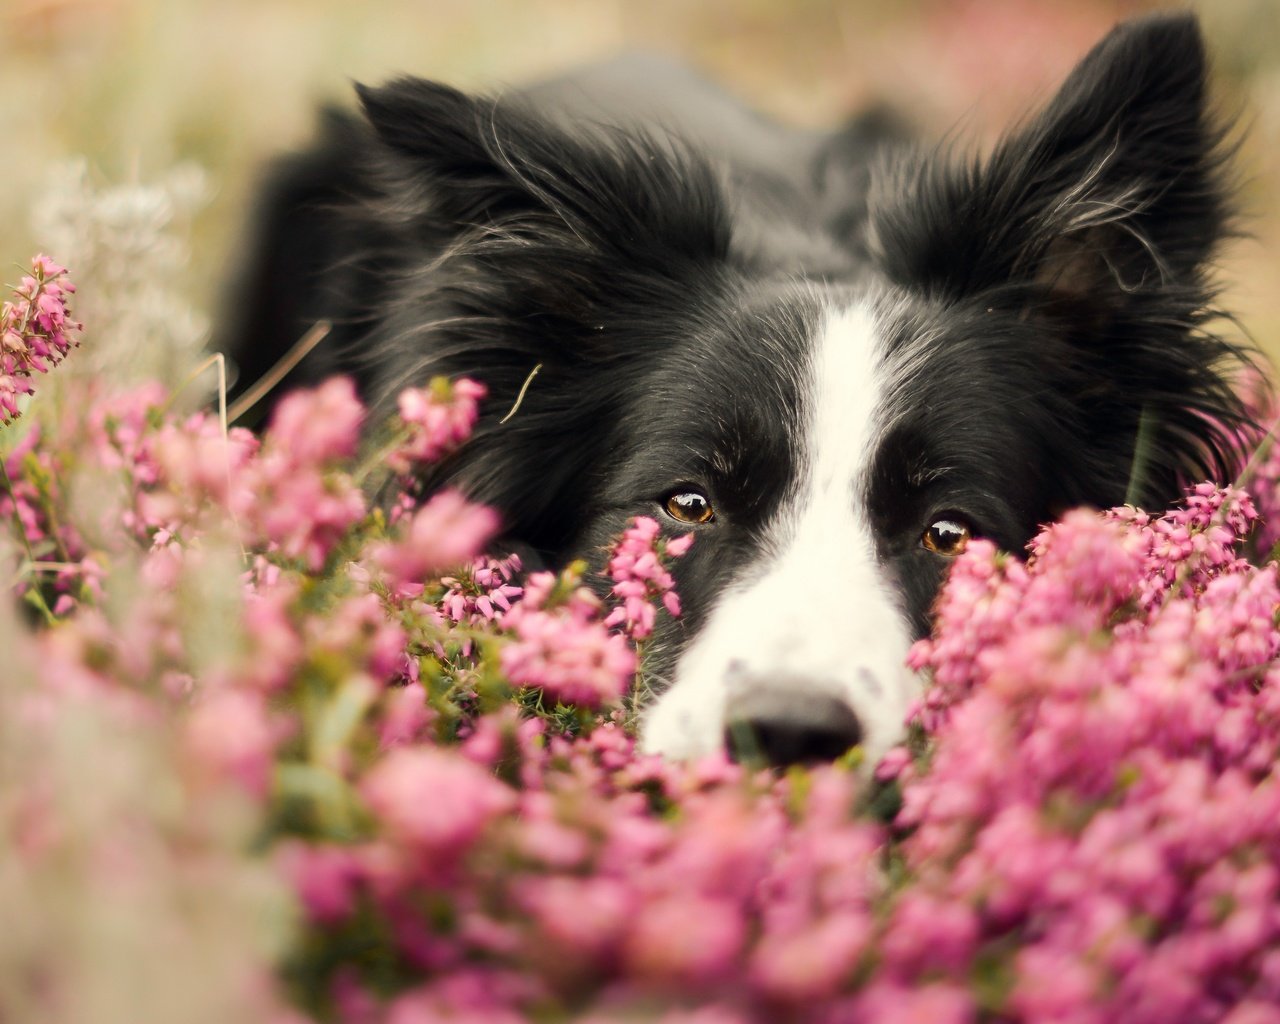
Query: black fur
[{"x": 1050, "y": 308}]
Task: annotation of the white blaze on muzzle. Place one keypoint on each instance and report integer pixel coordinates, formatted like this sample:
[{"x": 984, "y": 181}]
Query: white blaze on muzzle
[{"x": 815, "y": 629}]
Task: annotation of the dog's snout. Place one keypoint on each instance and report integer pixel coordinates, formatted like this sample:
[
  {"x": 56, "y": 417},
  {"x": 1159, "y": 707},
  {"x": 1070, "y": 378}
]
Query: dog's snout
[{"x": 789, "y": 725}]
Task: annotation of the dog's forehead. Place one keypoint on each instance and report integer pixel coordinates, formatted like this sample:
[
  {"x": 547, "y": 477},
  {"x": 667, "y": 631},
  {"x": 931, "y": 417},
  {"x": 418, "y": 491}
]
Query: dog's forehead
[
  {"x": 842, "y": 411},
  {"x": 952, "y": 374},
  {"x": 805, "y": 366},
  {"x": 772, "y": 346},
  {"x": 846, "y": 378},
  {"x": 757, "y": 399}
]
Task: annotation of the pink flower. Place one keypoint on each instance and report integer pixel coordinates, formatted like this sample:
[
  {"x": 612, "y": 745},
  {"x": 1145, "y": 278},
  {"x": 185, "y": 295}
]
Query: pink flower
[
  {"x": 894, "y": 1003},
  {"x": 274, "y": 648},
  {"x": 438, "y": 419},
  {"x": 406, "y": 715},
  {"x": 482, "y": 592},
  {"x": 301, "y": 511},
  {"x": 811, "y": 962},
  {"x": 318, "y": 427},
  {"x": 436, "y": 801},
  {"x": 586, "y": 918},
  {"x": 230, "y": 731},
  {"x": 640, "y": 576},
  {"x": 566, "y": 651},
  {"x": 325, "y": 877},
  {"x": 35, "y": 331},
  {"x": 445, "y": 533},
  {"x": 685, "y": 940},
  {"x": 359, "y": 631}
]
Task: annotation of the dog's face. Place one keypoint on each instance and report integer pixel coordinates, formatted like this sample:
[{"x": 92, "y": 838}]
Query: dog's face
[{"x": 982, "y": 346}]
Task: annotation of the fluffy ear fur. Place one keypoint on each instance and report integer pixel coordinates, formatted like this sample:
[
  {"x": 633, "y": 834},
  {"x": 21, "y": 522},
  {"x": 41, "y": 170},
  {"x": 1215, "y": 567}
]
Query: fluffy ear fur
[
  {"x": 526, "y": 243},
  {"x": 474, "y": 165},
  {"x": 1114, "y": 185},
  {"x": 1096, "y": 222}
]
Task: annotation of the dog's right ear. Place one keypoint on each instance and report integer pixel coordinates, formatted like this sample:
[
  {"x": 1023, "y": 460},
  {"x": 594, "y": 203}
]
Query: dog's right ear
[
  {"x": 462, "y": 163},
  {"x": 1097, "y": 222}
]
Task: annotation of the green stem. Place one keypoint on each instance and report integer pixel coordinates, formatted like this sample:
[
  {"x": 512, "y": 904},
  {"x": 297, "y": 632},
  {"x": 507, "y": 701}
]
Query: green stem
[{"x": 376, "y": 459}]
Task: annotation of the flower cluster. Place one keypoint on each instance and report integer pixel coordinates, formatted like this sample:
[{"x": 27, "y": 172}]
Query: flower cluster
[
  {"x": 436, "y": 419},
  {"x": 562, "y": 647},
  {"x": 640, "y": 576},
  {"x": 265, "y": 701},
  {"x": 483, "y": 591},
  {"x": 1100, "y": 788},
  {"x": 35, "y": 331}
]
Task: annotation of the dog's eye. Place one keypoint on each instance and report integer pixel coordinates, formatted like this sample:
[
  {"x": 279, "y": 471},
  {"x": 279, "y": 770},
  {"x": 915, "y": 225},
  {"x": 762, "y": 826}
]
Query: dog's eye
[
  {"x": 946, "y": 537},
  {"x": 690, "y": 507}
]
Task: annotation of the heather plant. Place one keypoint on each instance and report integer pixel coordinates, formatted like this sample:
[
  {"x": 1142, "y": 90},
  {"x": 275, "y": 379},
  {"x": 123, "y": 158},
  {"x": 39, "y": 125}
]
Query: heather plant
[
  {"x": 35, "y": 331},
  {"x": 330, "y": 757}
]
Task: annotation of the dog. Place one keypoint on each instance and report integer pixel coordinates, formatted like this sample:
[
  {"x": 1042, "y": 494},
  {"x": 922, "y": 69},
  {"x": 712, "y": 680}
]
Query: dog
[{"x": 834, "y": 358}]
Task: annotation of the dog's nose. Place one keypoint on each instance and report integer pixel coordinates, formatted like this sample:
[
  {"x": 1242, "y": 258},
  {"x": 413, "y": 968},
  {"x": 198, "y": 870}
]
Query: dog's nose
[{"x": 790, "y": 725}]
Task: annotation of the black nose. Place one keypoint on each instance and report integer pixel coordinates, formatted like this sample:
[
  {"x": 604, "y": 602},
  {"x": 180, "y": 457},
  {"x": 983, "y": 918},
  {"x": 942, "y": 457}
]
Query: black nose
[{"x": 790, "y": 725}]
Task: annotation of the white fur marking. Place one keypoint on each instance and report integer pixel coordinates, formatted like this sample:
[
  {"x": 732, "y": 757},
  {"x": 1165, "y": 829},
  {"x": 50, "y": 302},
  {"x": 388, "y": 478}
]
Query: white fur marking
[{"x": 820, "y": 613}]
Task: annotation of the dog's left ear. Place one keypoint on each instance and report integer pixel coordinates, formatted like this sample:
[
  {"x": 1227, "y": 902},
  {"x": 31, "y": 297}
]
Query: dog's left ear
[
  {"x": 1094, "y": 226},
  {"x": 1113, "y": 190}
]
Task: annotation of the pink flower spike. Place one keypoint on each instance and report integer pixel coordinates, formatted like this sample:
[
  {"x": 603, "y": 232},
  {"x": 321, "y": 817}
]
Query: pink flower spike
[
  {"x": 319, "y": 426},
  {"x": 679, "y": 546},
  {"x": 446, "y": 532},
  {"x": 433, "y": 799},
  {"x": 438, "y": 419},
  {"x": 641, "y": 578},
  {"x": 33, "y": 332}
]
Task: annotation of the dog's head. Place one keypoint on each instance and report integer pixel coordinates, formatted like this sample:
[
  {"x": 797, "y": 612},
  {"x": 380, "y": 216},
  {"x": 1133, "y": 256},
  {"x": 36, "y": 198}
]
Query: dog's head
[{"x": 979, "y": 346}]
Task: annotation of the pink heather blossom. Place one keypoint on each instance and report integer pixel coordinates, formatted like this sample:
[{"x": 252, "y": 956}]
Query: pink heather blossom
[
  {"x": 14, "y": 386},
  {"x": 1083, "y": 824},
  {"x": 1115, "y": 687},
  {"x": 438, "y": 418},
  {"x": 445, "y": 533},
  {"x": 585, "y": 919},
  {"x": 299, "y": 510},
  {"x": 320, "y": 426},
  {"x": 406, "y": 715},
  {"x": 895, "y": 1003},
  {"x": 565, "y": 650},
  {"x": 926, "y": 935},
  {"x": 637, "y": 567},
  {"x": 359, "y": 631},
  {"x": 185, "y": 476},
  {"x": 274, "y": 645},
  {"x": 812, "y": 961},
  {"x": 325, "y": 878},
  {"x": 482, "y": 592},
  {"x": 433, "y": 800},
  {"x": 230, "y": 731},
  {"x": 293, "y": 498},
  {"x": 687, "y": 940},
  {"x": 703, "y": 1015},
  {"x": 473, "y": 997},
  {"x": 893, "y": 764},
  {"x": 32, "y": 504},
  {"x": 35, "y": 331}
]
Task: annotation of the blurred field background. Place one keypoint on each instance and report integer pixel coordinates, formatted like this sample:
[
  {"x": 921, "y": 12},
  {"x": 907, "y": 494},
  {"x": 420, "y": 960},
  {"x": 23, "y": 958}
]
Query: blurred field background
[{"x": 139, "y": 86}]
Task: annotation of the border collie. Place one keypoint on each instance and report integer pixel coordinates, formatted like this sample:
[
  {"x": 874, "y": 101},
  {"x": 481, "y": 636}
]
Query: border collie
[{"x": 833, "y": 357}]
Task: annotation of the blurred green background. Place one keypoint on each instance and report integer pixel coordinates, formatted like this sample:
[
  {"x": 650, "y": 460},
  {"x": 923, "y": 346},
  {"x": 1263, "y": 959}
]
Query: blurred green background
[{"x": 136, "y": 86}]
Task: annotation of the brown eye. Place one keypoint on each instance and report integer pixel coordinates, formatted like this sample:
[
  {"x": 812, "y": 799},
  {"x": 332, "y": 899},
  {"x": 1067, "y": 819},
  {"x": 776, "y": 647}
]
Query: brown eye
[
  {"x": 690, "y": 507},
  {"x": 946, "y": 537}
]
